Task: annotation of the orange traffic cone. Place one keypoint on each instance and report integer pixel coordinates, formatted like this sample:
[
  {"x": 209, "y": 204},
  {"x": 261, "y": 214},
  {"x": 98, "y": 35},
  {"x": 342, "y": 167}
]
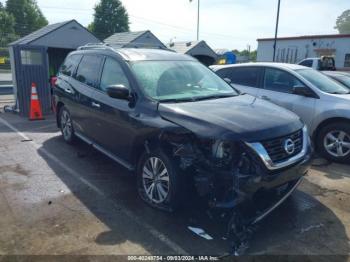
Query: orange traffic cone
[{"x": 35, "y": 107}]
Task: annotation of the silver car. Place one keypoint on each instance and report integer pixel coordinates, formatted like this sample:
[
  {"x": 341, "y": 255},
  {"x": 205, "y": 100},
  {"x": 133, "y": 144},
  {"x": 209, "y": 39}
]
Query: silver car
[
  {"x": 341, "y": 77},
  {"x": 322, "y": 103}
]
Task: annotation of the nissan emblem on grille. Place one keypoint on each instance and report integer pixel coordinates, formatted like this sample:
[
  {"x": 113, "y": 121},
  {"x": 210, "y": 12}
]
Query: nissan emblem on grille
[{"x": 289, "y": 146}]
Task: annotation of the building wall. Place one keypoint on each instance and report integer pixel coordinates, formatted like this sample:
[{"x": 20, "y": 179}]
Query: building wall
[{"x": 292, "y": 51}]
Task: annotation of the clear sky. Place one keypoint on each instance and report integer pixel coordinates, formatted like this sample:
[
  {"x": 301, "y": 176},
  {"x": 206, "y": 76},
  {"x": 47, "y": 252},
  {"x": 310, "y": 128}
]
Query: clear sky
[{"x": 231, "y": 24}]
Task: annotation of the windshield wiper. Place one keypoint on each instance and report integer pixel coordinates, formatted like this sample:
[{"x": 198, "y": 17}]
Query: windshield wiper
[
  {"x": 217, "y": 96},
  {"x": 338, "y": 93},
  {"x": 177, "y": 100},
  {"x": 194, "y": 99}
]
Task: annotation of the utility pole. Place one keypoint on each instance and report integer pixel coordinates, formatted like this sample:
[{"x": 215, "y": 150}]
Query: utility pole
[
  {"x": 199, "y": 4},
  {"x": 198, "y": 20},
  {"x": 276, "y": 31}
]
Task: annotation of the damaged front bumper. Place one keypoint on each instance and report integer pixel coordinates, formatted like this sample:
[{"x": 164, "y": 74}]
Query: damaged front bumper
[
  {"x": 261, "y": 198},
  {"x": 229, "y": 190},
  {"x": 273, "y": 192},
  {"x": 277, "y": 204},
  {"x": 251, "y": 175},
  {"x": 245, "y": 217}
]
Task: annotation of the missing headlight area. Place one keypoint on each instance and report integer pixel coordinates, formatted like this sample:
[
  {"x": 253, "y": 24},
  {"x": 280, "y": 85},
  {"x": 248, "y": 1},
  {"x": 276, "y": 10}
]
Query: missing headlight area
[{"x": 218, "y": 169}]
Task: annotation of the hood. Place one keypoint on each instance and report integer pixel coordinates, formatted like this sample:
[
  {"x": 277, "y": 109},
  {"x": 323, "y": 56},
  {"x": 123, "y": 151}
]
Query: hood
[
  {"x": 345, "y": 98},
  {"x": 235, "y": 118},
  {"x": 336, "y": 102}
]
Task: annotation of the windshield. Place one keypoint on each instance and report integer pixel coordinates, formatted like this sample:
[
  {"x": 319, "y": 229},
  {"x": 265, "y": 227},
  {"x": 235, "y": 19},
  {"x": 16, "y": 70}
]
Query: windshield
[
  {"x": 322, "y": 82},
  {"x": 345, "y": 80},
  {"x": 180, "y": 81}
]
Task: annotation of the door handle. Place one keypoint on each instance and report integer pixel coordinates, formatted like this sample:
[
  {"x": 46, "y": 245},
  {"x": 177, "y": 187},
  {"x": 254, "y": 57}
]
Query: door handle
[
  {"x": 68, "y": 90},
  {"x": 96, "y": 105},
  {"x": 265, "y": 98}
]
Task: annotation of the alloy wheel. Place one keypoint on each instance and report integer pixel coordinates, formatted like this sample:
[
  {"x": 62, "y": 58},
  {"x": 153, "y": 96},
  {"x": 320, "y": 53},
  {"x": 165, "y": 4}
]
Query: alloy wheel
[
  {"x": 155, "y": 179},
  {"x": 337, "y": 143},
  {"x": 66, "y": 125}
]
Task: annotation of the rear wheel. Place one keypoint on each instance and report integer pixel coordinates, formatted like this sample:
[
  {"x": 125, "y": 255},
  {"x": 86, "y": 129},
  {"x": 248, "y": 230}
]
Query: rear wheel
[
  {"x": 66, "y": 125},
  {"x": 334, "y": 142},
  {"x": 158, "y": 181}
]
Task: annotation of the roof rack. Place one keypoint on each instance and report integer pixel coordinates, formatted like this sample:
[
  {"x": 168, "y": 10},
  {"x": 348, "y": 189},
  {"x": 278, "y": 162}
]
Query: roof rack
[{"x": 95, "y": 46}]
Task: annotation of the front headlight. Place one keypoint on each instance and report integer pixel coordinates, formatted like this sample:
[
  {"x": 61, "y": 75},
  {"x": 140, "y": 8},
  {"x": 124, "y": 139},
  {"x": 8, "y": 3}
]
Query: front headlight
[{"x": 221, "y": 149}]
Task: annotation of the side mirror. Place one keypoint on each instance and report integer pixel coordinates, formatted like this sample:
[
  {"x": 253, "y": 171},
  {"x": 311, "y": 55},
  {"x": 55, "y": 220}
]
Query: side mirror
[
  {"x": 119, "y": 92},
  {"x": 302, "y": 91}
]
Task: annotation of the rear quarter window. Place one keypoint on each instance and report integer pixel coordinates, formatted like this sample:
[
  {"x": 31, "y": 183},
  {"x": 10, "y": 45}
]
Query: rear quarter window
[
  {"x": 89, "y": 70},
  {"x": 70, "y": 64},
  {"x": 246, "y": 76}
]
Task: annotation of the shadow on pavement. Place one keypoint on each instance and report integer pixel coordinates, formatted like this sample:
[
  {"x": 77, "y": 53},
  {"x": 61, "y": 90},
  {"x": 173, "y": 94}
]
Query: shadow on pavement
[
  {"x": 302, "y": 225},
  {"x": 48, "y": 125}
]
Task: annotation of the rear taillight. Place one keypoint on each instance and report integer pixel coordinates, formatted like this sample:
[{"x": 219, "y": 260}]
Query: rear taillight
[{"x": 53, "y": 81}]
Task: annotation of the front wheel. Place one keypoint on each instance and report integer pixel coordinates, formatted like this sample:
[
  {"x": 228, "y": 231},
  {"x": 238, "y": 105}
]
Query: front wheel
[
  {"x": 334, "y": 142},
  {"x": 66, "y": 125},
  {"x": 158, "y": 181}
]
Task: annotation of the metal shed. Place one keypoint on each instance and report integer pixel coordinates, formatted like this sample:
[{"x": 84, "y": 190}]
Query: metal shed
[
  {"x": 198, "y": 49},
  {"x": 37, "y": 56},
  {"x": 141, "y": 39}
]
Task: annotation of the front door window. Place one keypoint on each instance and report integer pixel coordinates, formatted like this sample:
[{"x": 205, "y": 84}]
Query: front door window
[{"x": 113, "y": 74}]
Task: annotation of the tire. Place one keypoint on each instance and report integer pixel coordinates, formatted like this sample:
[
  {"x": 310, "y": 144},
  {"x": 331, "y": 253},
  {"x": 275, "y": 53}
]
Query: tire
[
  {"x": 167, "y": 192},
  {"x": 333, "y": 142},
  {"x": 66, "y": 125}
]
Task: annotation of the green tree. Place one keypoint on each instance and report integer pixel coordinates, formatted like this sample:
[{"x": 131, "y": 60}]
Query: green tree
[
  {"x": 27, "y": 14},
  {"x": 250, "y": 55},
  {"x": 343, "y": 23},
  {"x": 253, "y": 55},
  {"x": 110, "y": 17},
  {"x": 7, "y": 32}
]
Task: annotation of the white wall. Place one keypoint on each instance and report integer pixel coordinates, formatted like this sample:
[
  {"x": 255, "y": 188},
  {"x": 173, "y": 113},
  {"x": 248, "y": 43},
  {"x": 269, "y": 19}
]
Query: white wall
[{"x": 303, "y": 48}]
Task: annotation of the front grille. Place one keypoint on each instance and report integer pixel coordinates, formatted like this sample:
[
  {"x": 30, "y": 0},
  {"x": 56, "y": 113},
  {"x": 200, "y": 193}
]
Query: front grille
[{"x": 275, "y": 147}]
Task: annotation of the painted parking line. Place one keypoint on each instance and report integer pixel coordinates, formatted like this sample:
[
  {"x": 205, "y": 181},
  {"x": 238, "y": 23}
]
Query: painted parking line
[{"x": 154, "y": 232}]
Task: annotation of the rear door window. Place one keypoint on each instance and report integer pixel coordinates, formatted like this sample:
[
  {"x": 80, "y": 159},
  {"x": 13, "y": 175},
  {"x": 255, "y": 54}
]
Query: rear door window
[
  {"x": 245, "y": 76},
  {"x": 280, "y": 81},
  {"x": 70, "y": 64},
  {"x": 89, "y": 70},
  {"x": 113, "y": 74}
]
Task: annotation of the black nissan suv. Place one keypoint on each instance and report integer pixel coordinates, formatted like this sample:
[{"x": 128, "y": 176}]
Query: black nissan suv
[{"x": 179, "y": 127}]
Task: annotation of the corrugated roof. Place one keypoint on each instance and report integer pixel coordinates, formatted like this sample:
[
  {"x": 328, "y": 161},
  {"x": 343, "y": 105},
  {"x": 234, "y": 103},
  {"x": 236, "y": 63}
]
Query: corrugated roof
[
  {"x": 122, "y": 39},
  {"x": 39, "y": 33},
  {"x": 183, "y": 47}
]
